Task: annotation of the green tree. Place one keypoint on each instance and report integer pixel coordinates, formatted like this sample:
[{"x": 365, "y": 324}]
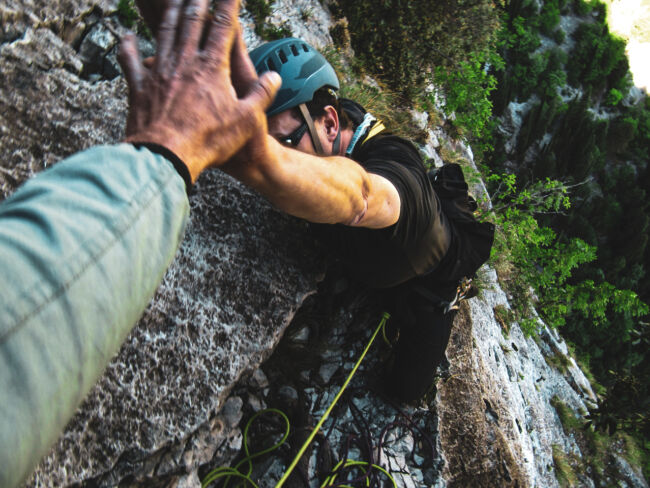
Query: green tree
[{"x": 401, "y": 41}]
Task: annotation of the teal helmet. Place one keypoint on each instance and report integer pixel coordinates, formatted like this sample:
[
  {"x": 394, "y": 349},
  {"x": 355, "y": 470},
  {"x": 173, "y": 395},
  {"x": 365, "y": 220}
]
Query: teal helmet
[{"x": 303, "y": 71}]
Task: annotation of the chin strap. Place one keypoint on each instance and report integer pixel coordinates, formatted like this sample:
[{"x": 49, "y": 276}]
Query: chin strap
[
  {"x": 312, "y": 129},
  {"x": 336, "y": 146}
]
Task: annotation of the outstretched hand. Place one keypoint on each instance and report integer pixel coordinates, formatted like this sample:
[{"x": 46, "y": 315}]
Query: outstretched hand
[
  {"x": 186, "y": 100},
  {"x": 244, "y": 78}
]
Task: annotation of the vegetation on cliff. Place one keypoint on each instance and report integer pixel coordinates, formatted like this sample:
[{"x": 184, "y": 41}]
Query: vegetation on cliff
[
  {"x": 585, "y": 128},
  {"x": 569, "y": 183}
]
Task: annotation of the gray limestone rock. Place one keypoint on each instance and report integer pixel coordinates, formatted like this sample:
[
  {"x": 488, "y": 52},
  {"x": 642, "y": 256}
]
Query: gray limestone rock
[
  {"x": 306, "y": 19},
  {"x": 239, "y": 276},
  {"x": 65, "y": 18},
  {"x": 46, "y": 111},
  {"x": 94, "y": 48}
]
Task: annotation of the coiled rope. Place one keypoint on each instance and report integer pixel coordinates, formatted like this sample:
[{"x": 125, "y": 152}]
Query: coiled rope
[
  {"x": 227, "y": 472},
  {"x": 320, "y": 423},
  {"x": 330, "y": 481}
]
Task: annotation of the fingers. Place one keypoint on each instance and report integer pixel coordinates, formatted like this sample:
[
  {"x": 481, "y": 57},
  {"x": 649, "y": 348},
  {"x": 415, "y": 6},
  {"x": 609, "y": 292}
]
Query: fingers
[
  {"x": 222, "y": 31},
  {"x": 167, "y": 34},
  {"x": 129, "y": 59},
  {"x": 243, "y": 72},
  {"x": 263, "y": 92},
  {"x": 194, "y": 16}
]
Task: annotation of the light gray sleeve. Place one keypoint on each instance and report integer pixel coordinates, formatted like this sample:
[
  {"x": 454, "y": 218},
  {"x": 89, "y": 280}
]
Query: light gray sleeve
[{"x": 83, "y": 247}]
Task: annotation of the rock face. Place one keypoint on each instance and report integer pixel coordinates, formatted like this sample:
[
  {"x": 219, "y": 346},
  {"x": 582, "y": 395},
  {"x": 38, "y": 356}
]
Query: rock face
[
  {"x": 239, "y": 276},
  {"x": 488, "y": 420},
  {"x": 497, "y": 400}
]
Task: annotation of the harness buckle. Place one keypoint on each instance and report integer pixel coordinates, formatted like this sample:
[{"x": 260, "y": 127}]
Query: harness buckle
[{"x": 463, "y": 292}]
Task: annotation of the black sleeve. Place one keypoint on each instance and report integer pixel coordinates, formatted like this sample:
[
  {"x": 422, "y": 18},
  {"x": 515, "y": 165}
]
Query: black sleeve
[
  {"x": 398, "y": 161},
  {"x": 177, "y": 162}
]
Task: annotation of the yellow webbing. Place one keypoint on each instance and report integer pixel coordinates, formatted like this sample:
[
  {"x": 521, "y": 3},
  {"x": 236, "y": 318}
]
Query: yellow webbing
[{"x": 376, "y": 129}]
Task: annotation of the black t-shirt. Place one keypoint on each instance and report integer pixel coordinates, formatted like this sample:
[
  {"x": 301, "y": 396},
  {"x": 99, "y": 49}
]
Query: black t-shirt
[{"x": 417, "y": 242}]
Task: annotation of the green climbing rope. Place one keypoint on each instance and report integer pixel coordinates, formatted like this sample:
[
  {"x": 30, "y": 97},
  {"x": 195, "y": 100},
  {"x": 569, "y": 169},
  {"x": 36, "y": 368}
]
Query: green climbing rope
[
  {"x": 329, "y": 481},
  {"x": 302, "y": 450},
  {"x": 234, "y": 472},
  {"x": 227, "y": 472}
]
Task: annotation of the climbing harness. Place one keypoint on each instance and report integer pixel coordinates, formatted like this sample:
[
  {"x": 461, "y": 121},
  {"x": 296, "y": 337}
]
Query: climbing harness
[{"x": 464, "y": 291}]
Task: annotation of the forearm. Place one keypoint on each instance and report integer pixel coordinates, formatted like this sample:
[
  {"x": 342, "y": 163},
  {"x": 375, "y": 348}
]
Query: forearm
[
  {"x": 83, "y": 247},
  {"x": 318, "y": 189}
]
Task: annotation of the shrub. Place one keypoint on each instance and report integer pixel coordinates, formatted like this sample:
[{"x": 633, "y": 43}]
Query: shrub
[
  {"x": 130, "y": 17},
  {"x": 596, "y": 55},
  {"x": 467, "y": 94},
  {"x": 549, "y": 17},
  {"x": 613, "y": 97},
  {"x": 260, "y": 10},
  {"x": 401, "y": 41},
  {"x": 534, "y": 257}
]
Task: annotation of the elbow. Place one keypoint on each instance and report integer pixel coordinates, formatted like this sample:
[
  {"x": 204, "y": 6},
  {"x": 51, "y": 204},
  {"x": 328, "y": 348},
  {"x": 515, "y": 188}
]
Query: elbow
[
  {"x": 357, "y": 218},
  {"x": 360, "y": 206}
]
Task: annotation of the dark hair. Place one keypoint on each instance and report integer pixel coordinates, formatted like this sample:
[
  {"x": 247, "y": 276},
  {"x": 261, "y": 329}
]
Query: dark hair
[{"x": 323, "y": 98}]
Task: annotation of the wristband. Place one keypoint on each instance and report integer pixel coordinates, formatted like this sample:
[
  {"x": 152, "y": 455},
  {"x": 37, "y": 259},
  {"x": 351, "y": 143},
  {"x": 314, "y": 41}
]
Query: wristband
[{"x": 177, "y": 162}]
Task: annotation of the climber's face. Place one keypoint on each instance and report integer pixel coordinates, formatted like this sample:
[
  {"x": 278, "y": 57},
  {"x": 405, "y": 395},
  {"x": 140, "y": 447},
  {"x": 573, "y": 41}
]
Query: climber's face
[{"x": 289, "y": 128}]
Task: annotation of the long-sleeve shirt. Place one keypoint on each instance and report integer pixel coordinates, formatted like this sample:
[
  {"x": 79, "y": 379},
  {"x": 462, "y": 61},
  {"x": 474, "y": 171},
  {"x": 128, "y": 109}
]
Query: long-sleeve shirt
[{"x": 83, "y": 247}]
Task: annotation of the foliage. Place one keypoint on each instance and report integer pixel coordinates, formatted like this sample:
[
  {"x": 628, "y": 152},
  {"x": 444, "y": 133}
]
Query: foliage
[
  {"x": 505, "y": 317},
  {"x": 535, "y": 258},
  {"x": 401, "y": 41},
  {"x": 610, "y": 209},
  {"x": 530, "y": 70},
  {"x": 517, "y": 41},
  {"x": 467, "y": 94},
  {"x": 565, "y": 473},
  {"x": 598, "y": 58},
  {"x": 596, "y": 445},
  {"x": 130, "y": 17},
  {"x": 260, "y": 10},
  {"x": 549, "y": 17},
  {"x": 559, "y": 361},
  {"x": 613, "y": 97},
  {"x": 128, "y": 13},
  {"x": 626, "y": 405}
]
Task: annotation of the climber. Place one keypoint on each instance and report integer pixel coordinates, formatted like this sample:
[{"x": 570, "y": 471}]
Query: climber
[
  {"x": 329, "y": 161},
  {"x": 84, "y": 245}
]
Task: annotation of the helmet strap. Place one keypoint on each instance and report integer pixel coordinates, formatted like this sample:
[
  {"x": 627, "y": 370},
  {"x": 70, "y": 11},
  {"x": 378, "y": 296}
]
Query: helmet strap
[
  {"x": 336, "y": 146},
  {"x": 312, "y": 129}
]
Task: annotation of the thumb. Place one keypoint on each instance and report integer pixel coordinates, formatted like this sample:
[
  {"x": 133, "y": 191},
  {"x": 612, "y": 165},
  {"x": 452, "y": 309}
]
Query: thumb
[{"x": 263, "y": 92}]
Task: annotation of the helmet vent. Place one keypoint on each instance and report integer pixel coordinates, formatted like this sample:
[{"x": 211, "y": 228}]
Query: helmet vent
[
  {"x": 271, "y": 65},
  {"x": 294, "y": 50},
  {"x": 305, "y": 48},
  {"x": 283, "y": 56}
]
